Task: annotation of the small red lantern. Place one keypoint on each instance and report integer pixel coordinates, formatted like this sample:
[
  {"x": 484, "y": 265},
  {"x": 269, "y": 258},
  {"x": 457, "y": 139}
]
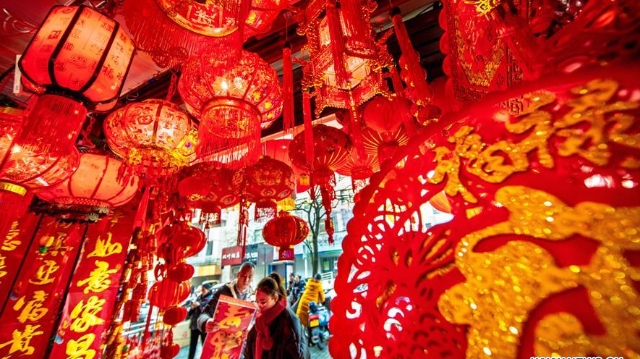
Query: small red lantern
[
  {"x": 184, "y": 240},
  {"x": 174, "y": 315},
  {"x": 167, "y": 293},
  {"x": 383, "y": 145},
  {"x": 81, "y": 53},
  {"x": 284, "y": 232},
  {"x": 154, "y": 137},
  {"x": 265, "y": 183},
  {"x": 92, "y": 190}
]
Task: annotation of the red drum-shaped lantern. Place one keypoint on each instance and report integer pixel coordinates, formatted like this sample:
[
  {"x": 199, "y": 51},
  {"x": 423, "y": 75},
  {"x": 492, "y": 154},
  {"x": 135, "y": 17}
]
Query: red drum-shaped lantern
[
  {"x": 383, "y": 114},
  {"x": 183, "y": 238},
  {"x": 233, "y": 100},
  {"x": 284, "y": 232},
  {"x": 174, "y": 315},
  {"x": 153, "y": 136},
  {"x": 79, "y": 52},
  {"x": 546, "y": 212},
  {"x": 267, "y": 182},
  {"x": 210, "y": 184},
  {"x": 167, "y": 293},
  {"x": 93, "y": 189},
  {"x": 279, "y": 150}
]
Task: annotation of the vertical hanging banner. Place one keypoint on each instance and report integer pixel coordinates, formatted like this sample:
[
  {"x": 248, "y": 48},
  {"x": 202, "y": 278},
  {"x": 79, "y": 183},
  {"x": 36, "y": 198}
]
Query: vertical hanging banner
[
  {"x": 93, "y": 289},
  {"x": 13, "y": 249},
  {"x": 31, "y": 311}
]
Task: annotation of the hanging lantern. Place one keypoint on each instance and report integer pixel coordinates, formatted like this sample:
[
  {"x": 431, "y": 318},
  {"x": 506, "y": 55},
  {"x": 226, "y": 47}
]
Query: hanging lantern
[
  {"x": 265, "y": 183},
  {"x": 383, "y": 114},
  {"x": 383, "y": 145},
  {"x": 345, "y": 66},
  {"x": 208, "y": 185},
  {"x": 154, "y": 137},
  {"x": 92, "y": 191},
  {"x": 546, "y": 211},
  {"x": 10, "y": 122},
  {"x": 233, "y": 101},
  {"x": 279, "y": 150},
  {"x": 331, "y": 148},
  {"x": 79, "y": 53},
  {"x": 284, "y": 232},
  {"x": 359, "y": 169}
]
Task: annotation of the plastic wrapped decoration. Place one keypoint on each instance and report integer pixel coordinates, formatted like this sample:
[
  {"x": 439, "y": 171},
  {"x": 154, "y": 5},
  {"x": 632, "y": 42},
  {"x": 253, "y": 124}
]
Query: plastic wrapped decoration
[
  {"x": 546, "y": 208},
  {"x": 331, "y": 148}
]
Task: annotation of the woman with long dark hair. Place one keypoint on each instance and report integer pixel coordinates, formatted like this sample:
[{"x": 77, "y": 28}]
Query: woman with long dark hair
[{"x": 276, "y": 333}]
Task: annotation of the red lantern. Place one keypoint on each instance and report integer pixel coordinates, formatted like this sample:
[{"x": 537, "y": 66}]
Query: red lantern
[
  {"x": 174, "y": 315},
  {"x": 265, "y": 183},
  {"x": 545, "y": 206},
  {"x": 383, "y": 145},
  {"x": 167, "y": 293},
  {"x": 154, "y": 137},
  {"x": 184, "y": 240},
  {"x": 79, "y": 52},
  {"x": 92, "y": 190},
  {"x": 284, "y": 232},
  {"x": 331, "y": 148},
  {"x": 180, "y": 272},
  {"x": 386, "y": 115},
  {"x": 208, "y": 184},
  {"x": 233, "y": 101},
  {"x": 279, "y": 150}
]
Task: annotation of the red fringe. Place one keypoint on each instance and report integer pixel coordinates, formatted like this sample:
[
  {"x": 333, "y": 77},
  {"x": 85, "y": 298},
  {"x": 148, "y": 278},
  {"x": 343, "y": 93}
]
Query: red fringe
[
  {"x": 287, "y": 89},
  {"x": 411, "y": 58},
  {"x": 308, "y": 130},
  {"x": 356, "y": 132},
  {"x": 337, "y": 44},
  {"x": 356, "y": 27},
  {"x": 141, "y": 215}
]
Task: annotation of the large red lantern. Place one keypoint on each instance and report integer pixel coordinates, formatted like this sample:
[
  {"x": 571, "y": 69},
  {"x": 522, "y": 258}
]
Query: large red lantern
[
  {"x": 234, "y": 101},
  {"x": 80, "y": 53},
  {"x": 210, "y": 184},
  {"x": 279, "y": 150},
  {"x": 546, "y": 211},
  {"x": 383, "y": 114},
  {"x": 284, "y": 232},
  {"x": 265, "y": 183},
  {"x": 93, "y": 189},
  {"x": 153, "y": 137}
]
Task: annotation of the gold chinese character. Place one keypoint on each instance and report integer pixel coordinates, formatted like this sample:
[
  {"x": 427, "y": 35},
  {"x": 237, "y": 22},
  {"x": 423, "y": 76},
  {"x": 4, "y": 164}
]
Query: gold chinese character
[
  {"x": 105, "y": 248},
  {"x": 98, "y": 279},
  {"x": 44, "y": 273},
  {"x": 86, "y": 315},
  {"x": 33, "y": 310},
  {"x": 233, "y": 317},
  {"x": 79, "y": 349},
  {"x": 20, "y": 340},
  {"x": 2, "y": 266},
  {"x": 10, "y": 243}
]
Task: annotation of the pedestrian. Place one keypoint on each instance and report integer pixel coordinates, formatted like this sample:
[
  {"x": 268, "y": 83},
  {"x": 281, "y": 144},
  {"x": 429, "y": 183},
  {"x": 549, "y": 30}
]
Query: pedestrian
[
  {"x": 240, "y": 288},
  {"x": 276, "y": 276},
  {"x": 313, "y": 292},
  {"x": 277, "y": 333},
  {"x": 195, "y": 309}
]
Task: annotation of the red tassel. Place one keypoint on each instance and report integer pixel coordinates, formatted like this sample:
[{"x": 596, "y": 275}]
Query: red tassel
[
  {"x": 287, "y": 89},
  {"x": 337, "y": 44},
  {"x": 356, "y": 130},
  {"x": 357, "y": 29},
  {"x": 308, "y": 130},
  {"x": 140, "y": 219},
  {"x": 411, "y": 58},
  {"x": 396, "y": 81}
]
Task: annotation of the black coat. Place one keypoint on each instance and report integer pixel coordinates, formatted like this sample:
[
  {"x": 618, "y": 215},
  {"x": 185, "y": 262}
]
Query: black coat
[
  {"x": 194, "y": 313},
  {"x": 209, "y": 309},
  {"x": 289, "y": 342}
]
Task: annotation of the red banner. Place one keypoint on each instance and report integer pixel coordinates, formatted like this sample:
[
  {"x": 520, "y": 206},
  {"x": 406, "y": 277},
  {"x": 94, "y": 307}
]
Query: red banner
[
  {"x": 30, "y": 314},
  {"x": 231, "y": 256},
  {"x": 13, "y": 249},
  {"x": 88, "y": 309},
  {"x": 233, "y": 318}
]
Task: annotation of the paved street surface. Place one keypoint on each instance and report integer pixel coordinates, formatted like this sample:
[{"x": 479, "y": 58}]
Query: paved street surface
[{"x": 315, "y": 353}]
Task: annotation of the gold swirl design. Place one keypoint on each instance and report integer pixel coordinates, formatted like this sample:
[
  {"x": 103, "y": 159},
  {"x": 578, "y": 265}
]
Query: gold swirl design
[{"x": 504, "y": 286}]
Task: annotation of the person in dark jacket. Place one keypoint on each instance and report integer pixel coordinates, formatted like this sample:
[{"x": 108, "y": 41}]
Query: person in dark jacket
[
  {"x": 194, "y": 312},
  {"x": 276, "y": 333},
  {"x": 239, "y": 288}
]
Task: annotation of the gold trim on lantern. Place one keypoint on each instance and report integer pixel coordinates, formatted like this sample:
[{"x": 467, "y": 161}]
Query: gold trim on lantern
[{"x": 13, "y": 188}]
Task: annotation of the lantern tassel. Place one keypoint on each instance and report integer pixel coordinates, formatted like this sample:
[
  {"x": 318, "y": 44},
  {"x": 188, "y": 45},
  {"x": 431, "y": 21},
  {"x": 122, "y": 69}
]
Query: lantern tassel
[
  {"x": 414, "y": 69},
  {"x": 140, "y": 219},
  {"x": 308, "y": 130},
  {"x": 356, "y": 27},
  {"x": 356, "y": 130},
  {"x": 328, "y": 195},
  {"x": 408, "y": 122},
  {"x": 287, "y": 89},
  {"x": 337, "y": 44}
]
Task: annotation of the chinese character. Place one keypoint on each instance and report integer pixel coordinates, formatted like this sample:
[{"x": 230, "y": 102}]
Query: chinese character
[
  {"x": 33, "y": 310},
  {"x": 98, "y": 279},
  {"x": 43, "y": 275},
  {"x": 233, "y": 317},
  {"x": 20, "y": 340},
  {"x": 86, "y": 315},
  {"x": 9, "y": 244},
  {"x": 105, "y": 248},
  {"x": 2, "y": 266},
  {"x": 79, "y": 349}
]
